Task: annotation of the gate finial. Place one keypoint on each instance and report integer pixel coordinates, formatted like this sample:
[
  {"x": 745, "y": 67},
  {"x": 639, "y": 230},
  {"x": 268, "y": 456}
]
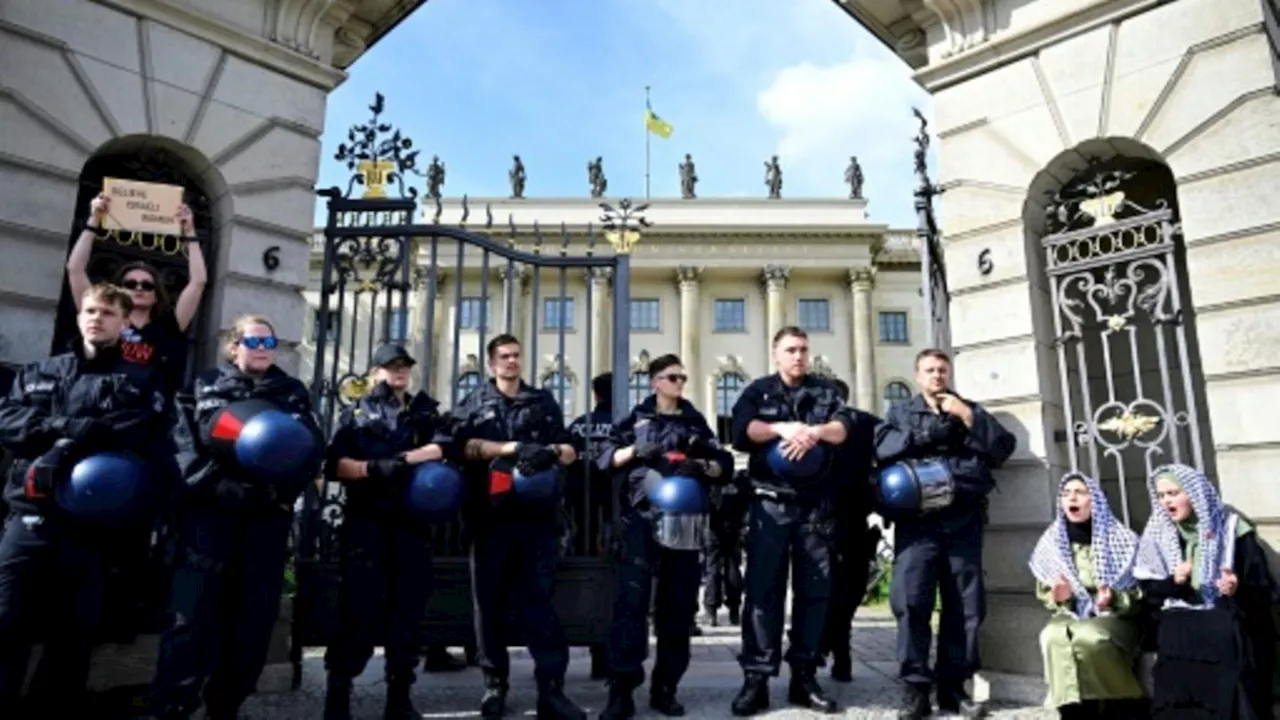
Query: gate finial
[
  {"x": 618, "y": 228},
  {"x": 377, "y": 159}
]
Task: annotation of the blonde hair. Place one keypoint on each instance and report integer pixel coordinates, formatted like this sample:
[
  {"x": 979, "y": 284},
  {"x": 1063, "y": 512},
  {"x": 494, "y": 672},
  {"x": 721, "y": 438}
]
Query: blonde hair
[
  {"x": 109, "y": 294},
  {"x": 238, "y": 328}
]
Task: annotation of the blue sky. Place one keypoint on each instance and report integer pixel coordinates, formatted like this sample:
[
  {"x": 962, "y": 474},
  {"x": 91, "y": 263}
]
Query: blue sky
[{"x": 562, "y": 81}]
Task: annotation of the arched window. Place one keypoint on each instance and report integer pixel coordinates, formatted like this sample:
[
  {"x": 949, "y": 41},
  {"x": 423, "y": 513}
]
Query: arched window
[
  {"x": 638, "y": 388},
  {"x": 728, "y": 387},
  {"x": 562, "y": 390},
  {"x": 468, "y": 382},
  {"x": 895, "y": 393}
]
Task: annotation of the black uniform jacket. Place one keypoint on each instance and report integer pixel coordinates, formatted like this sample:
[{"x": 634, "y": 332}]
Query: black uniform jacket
[
  {"x": 814, "y": 401},
  {"x": 671, "y": 433},
  {"x": 197, "y": 410},
  {"x": 128, "y": 398},
  {"x": 379, "y": 427},
  {"x": 532, "y": 416},
  {"x": 970, "y": 456}
]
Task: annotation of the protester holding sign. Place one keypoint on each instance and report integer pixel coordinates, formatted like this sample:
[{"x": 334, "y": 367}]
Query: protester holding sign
[{"x": 155, "y": 335}]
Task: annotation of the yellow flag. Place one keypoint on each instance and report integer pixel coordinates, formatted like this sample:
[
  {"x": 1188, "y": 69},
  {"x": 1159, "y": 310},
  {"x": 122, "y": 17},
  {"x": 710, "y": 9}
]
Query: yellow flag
[{"x": 655, "y": 124}]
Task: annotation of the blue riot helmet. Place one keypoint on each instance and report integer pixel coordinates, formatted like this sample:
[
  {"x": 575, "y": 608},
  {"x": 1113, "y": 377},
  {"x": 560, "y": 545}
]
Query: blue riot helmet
[
  {"x": 806, "y": 467},
  {"x": 914, "y": 487},
  {"x": 682, "y": 506},
  {"x": 266, "y": 442},
  {"x": 108, "y": 488},
  {"x": 543, "y": 486},
  {"x": 434, "y": 492}
]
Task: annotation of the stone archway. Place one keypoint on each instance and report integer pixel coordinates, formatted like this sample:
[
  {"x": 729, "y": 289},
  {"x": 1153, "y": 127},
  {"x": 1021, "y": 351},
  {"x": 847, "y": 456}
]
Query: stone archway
[
  {"x": 1104, "y": 246},
  {"x": 155, "y": 159}
]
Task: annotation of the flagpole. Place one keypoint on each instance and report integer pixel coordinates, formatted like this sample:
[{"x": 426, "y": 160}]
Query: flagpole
[{"x": 646, "y": 143}]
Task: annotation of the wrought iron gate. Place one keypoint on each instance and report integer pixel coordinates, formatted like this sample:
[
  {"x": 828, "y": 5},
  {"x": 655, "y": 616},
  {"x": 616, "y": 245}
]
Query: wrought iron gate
[
  {"x": 1124, "y": 339},
  {"x": 386, "y": 276}
]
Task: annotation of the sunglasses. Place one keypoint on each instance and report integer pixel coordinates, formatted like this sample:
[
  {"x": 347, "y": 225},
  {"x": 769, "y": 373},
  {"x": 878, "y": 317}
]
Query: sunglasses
[
  {"x": 254, "y": 342},
  {"x": 138, "y": 285},
  {"x": 674, "y": 378}
]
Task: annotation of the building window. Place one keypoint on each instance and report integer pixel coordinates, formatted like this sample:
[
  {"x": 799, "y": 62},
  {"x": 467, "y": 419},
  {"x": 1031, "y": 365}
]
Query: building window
[
  {"x": 399, "y": 326},
  {"x": 475, "y": 313},
  {"x": 729, "y": 315},
  {"x": 646, "y": 315},
  {"x": 815, "y": 315},
  {"x": 557, "y": 313},
  {"x": 468, "y": 382},
  {"x": 895, "y": 393},
  {"x": 638, "y": 388},
  {"x": 562, "y": 390},
  {"x": 728, "y": 387},
  {"x": 893, "y": 327}
]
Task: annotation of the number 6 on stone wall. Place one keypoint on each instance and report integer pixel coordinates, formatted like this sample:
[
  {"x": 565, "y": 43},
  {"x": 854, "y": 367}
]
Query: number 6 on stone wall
[{"x": 271, "y": 258}]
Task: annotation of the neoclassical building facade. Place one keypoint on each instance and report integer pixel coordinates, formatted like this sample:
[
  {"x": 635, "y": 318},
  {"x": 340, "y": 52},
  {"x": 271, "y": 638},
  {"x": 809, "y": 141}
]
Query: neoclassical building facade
[{"x": 711, "y": 280}]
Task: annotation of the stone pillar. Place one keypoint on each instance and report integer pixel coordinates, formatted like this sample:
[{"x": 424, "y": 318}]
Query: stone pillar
[
  {"x": 514, "y": 280},
  {"x": 439, "y": 338},
  {"x": 861, "y": 283},
  {"x": 600, "y": 285},
  {"x": 775, "y": 286},
  {"x": 688, "y": 279}
]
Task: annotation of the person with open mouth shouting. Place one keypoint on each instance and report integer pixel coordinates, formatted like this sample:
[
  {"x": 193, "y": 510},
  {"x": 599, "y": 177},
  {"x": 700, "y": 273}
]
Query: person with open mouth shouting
[{"x": 1083, "y": 565}]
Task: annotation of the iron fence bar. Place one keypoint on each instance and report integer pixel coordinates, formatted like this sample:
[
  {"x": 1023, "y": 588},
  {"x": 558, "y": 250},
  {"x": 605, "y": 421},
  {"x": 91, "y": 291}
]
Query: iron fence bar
[
  {"x": 1184, "y": 358},
  {"x": 531, "y": 258},
  {"x": 536, "y": 294},
  {"x": 428, "y": 336},
  {"x": 484, "y": 302},
  {"x": 589, "y": 449},
  {"x": 457, "y": 326},
  {"x": 564, "y": 306}
]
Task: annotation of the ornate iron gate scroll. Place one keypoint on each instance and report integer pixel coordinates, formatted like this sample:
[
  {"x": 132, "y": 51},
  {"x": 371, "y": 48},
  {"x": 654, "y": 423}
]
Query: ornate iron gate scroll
[
  {"x": 377, "y": 260},
  {"x": 933, "y": 268},
  {"x": 1121, "y": 333}
]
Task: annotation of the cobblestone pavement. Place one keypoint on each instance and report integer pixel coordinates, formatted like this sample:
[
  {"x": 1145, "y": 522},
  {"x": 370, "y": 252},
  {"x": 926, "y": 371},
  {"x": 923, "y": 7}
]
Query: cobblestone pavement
[{"x": 713, "y": 679}]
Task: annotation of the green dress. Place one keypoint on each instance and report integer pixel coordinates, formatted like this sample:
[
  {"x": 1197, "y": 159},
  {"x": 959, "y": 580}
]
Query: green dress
[{"x": 1090, "y": 659}]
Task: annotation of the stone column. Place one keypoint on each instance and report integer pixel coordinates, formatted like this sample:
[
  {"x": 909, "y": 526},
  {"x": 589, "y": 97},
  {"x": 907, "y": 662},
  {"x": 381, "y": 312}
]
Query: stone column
[
  {"x": 861, "y": 283},
  {"x": 514, "y": 280},
  {"x": 688, "y": 279},
  {"x": 600, "y": 285},
  {"x": 775, "y": 286},
  {"x": 439, "y": 338}
]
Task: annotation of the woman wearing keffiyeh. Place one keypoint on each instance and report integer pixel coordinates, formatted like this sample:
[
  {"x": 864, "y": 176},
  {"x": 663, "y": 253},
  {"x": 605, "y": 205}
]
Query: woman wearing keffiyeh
[
  {"x": 1203, "y": 574},
  {"x": 1083, "y": 568}
]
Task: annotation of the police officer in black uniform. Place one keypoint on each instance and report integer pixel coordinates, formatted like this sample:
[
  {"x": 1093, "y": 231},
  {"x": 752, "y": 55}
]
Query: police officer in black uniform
[
  {"x": 233, "y": 532},
  {"x": 666, "y": 435},
  {"x": 514, "y": 541},
  {"x": 722, "y": 563},
  {"x": 855, "y": 545},
  {"x": 58, "y": 412},
  {"x": 386, "y": 570},
  {"x": 942, "y": 552},
  {"x": 792, "y": 521},
  {"x": 589, "y": 484}
]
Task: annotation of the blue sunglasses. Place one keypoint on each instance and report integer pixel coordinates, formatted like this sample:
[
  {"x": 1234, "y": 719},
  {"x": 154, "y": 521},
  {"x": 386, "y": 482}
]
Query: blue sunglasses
[{"x": 254, "y": 342}]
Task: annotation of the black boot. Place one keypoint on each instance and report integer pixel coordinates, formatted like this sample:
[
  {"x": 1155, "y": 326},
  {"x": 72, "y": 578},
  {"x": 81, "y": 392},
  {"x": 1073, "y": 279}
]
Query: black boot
[
  {"x": 754, "y": 696},
  {"x": 806, "y": 692},
  {"x": 841, "y": 667},
  {"x": 916, "y": 704},
  {"x": 621, "y": 705},
  {"x": 662, "y": 697},
  {"x": 952, "y": 698},
  {"x": 599, "y": 662},
  {"x": 337, "y": 698},
  {"x": 735, "y": 615},
  {"x": 554, "y": 705},
  {"x": 494, "y": 702},
  {"x": 399, "y": 704}
]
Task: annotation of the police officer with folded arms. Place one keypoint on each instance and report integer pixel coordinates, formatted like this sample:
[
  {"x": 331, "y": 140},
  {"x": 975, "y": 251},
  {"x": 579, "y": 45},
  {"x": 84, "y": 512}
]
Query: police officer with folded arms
[
  {"x": 667, "y": 454},
  {"x": 386, "y": 548},
  {"x": 516, "y": 446},
  {"x": 589, "y": 484},
  {"x": 233, "y": 521},
  {"x": 60, "y": 412},
  {"x": 954, "y": 444},
  {"x": 791, "y": 423}
]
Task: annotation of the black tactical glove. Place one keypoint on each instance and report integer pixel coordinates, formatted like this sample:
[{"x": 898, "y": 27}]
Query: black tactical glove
[
  {"x": 238, "y": 493},
  {"x": 387, "y": 468},
  {"x": 49, "y": 470},
  {"x": 81, "y": 430},
  {"x": 697, "y": 446},
  {"x": 690, "y": 468},
  {"x": 943, "y": 435},
  {"x": 646, "y": 451},
  {"x": 533, "y": 458}
]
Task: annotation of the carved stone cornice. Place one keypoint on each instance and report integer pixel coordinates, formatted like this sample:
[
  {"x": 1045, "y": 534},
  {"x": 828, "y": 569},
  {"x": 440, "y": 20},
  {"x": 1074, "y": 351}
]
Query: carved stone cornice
[
  {"x": 965, "y": 23},
  {"x": 775, "y": 277},
  {"x": 862, "y": 278},
  {"x": 688, "y": 276}
]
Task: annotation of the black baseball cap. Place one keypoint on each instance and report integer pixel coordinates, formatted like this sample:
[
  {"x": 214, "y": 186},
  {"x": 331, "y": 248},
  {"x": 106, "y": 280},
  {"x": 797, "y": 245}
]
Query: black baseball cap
[{"x": 388, "y": 353}]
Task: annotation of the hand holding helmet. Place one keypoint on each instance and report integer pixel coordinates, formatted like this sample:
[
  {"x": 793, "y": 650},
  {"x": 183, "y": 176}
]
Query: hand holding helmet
[
  {"x": 533, "y": 458},
  {"x": 647, "y": 451}
]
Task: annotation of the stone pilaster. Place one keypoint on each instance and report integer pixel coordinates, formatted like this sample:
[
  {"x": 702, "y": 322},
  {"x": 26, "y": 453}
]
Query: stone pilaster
[
  {"x": 861, "y": 283},
  {"x": 689, "y": 280},
  {"x": 775, "y": 286}
]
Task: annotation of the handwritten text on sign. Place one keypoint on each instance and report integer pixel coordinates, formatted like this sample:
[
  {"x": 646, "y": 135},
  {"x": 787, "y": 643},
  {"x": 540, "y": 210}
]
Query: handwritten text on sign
[{"x": 142, "y": 206}]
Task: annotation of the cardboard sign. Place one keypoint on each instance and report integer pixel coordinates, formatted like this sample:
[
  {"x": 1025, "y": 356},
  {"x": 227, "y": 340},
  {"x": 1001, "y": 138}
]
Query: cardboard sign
[{"x": 142, "y": 206}]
